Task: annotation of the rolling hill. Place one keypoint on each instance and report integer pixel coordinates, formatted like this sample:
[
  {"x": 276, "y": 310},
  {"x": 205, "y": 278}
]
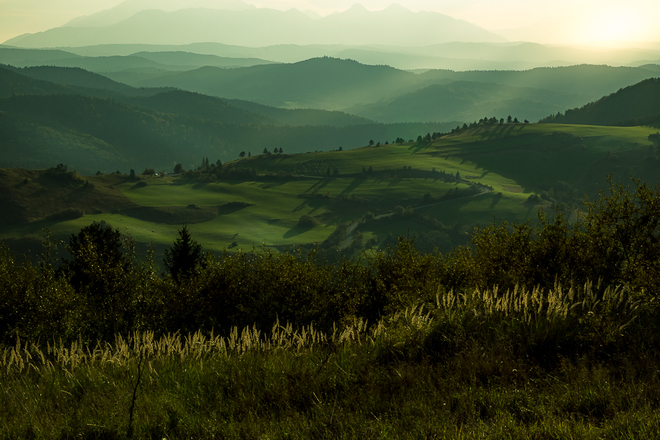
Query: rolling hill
[
  {"x": 46, "y": 123},
  {"x": 321, "y": 83},
  {"x": 333, "y": 84},
  {"x": 380, "y": 93},
  {"x": 160, "y": 61},
  {"x": 467, "y": 101},
  {"x": 165, "y": 100},
  {"x": 633, "y": 105},
  {"x": 77, "y": 80},
  {"x": 436, "y": 190}
]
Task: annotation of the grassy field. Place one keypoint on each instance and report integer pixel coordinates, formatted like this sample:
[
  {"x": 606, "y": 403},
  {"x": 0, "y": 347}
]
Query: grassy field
[
  {"x": 507, "y": 338},
  {"x": 509, "y": 163},
  {"x": 419, "y": 373}
]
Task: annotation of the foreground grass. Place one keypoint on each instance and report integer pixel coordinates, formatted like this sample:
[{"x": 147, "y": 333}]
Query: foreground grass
[{"x": 563, "y": 363}]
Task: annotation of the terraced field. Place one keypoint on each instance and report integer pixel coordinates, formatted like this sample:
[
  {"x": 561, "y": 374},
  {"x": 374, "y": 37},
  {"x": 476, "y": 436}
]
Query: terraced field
[{"x": 469, "y": 178}]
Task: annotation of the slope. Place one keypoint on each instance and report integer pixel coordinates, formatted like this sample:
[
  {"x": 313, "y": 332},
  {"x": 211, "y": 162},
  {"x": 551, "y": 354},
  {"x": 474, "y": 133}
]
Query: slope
[
  {"x": 467, "y": 101},
  {"x": 365, "y": 197},
  {"x": 333, "y": 84},
  {"x": 324, "y": 83},
  {"x": 79, "y": 81},
  {"x": 90, "y": 133},
  {"x": 639, "y": 103}
]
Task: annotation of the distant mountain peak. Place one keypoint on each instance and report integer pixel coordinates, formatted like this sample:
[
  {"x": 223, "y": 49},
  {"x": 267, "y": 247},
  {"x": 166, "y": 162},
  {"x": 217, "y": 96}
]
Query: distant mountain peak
[
  {"x": 255, "y": 27},
  {"x": 357, "y": 8},
  {"x": 395, "y": 7},
  {"x": 128, "y": 8}
]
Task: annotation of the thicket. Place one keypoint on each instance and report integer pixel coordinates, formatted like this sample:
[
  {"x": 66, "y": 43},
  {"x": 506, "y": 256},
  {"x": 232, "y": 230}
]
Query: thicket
[
  {"x": 540, "y": 331},
  {"x": 103, "y": 288}
]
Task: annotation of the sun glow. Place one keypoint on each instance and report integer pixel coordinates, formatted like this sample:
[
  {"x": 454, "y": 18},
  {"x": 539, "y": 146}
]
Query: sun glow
[{"x": 614, "y": 24}]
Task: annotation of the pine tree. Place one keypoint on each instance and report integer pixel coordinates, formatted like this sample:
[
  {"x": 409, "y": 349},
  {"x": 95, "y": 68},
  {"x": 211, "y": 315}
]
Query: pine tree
[{"x": 185, "y": 255}]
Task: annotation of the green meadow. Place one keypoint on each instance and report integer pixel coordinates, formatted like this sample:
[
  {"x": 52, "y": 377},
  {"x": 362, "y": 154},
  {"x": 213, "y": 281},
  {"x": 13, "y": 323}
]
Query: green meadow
[{"x": 497, "y": 168}]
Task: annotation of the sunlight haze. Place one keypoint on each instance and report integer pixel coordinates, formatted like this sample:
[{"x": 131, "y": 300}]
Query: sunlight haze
[{"x": 564, "y": 22}]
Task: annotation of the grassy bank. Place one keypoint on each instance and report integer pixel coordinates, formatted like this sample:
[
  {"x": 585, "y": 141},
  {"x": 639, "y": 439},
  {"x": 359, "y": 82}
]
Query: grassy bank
[
  {"x": 545, "y": 331},
  {"x": 562, "y": 363}
]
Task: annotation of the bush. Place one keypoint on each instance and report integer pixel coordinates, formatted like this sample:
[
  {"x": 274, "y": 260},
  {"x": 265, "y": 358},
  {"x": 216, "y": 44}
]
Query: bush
[
  {"x": 67, "y": 214},
  {"x": 307, "y": 221}
]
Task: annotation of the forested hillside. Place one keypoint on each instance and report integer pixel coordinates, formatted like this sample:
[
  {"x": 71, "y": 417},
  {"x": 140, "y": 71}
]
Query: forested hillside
[
  {"x": 638, "y": 104},
  {"x": 100, "y": 128}
]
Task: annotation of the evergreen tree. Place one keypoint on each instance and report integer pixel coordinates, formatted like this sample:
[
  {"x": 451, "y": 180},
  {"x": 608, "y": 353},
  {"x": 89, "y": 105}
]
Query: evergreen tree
[{"x": 184, "y": 257}]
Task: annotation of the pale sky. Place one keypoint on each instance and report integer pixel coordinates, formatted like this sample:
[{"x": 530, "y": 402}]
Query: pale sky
[{"x": 579, "y": 21}]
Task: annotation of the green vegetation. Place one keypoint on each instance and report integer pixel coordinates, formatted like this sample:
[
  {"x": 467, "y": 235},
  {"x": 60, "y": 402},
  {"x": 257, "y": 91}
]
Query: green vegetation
[
  {"x": 42, "y": 123},
  {"x": 485, "y": 341},
  {"x": 506, "y": 171},
  {"x": 633, "y": 105}
]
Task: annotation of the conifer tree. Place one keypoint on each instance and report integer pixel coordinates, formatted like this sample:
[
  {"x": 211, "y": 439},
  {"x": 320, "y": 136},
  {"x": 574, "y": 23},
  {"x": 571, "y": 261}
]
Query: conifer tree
[{"x": 184, "y": 257}]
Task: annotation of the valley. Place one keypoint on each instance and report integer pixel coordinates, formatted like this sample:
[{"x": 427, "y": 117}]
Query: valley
[
  {"x": 437, "y": 190},
  {"x": 313, "y": 220}
]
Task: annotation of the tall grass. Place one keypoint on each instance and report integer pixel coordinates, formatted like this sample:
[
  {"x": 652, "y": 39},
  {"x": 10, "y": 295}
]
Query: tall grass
[{"x": 576, "y": 362}]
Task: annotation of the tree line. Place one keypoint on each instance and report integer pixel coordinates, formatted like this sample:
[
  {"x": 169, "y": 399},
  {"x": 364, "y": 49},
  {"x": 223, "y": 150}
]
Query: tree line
[{"x": 104, "y": 287}]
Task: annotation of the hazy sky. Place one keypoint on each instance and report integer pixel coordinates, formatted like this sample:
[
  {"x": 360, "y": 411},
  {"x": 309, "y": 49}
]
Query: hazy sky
[{"x": 575, "y": 20}]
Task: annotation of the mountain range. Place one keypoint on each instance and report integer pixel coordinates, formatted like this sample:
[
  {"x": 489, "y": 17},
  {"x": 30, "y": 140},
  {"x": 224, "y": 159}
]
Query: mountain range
[{"x": 394, "y": 25}]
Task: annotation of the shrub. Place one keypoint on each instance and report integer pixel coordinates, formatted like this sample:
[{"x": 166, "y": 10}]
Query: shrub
[
  {"x": 307, "y": 221},
  {"x": 66, "y": 214}
]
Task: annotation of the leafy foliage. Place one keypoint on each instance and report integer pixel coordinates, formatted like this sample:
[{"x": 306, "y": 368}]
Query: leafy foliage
[{"x": 614, "y": 241}]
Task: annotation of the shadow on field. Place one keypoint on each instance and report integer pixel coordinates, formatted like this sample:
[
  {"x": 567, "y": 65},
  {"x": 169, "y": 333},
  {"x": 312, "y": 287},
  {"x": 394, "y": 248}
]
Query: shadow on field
[
  {"x": 394, "y": 181},
  {"x": 172, "y": 215},
  {"x": 177, "y": 215},
  {"x": 273, "y": 184},
  {"x": 140, "y": 184},
  {"x": 320, "y": 184},
  {"x": 301, "y": 206},
  {"x": 496, "y": 199},
  {"x": 416, "y": 147},
  {"x": 353, "y": 186},
  {"x": 297, "y": 230}
]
